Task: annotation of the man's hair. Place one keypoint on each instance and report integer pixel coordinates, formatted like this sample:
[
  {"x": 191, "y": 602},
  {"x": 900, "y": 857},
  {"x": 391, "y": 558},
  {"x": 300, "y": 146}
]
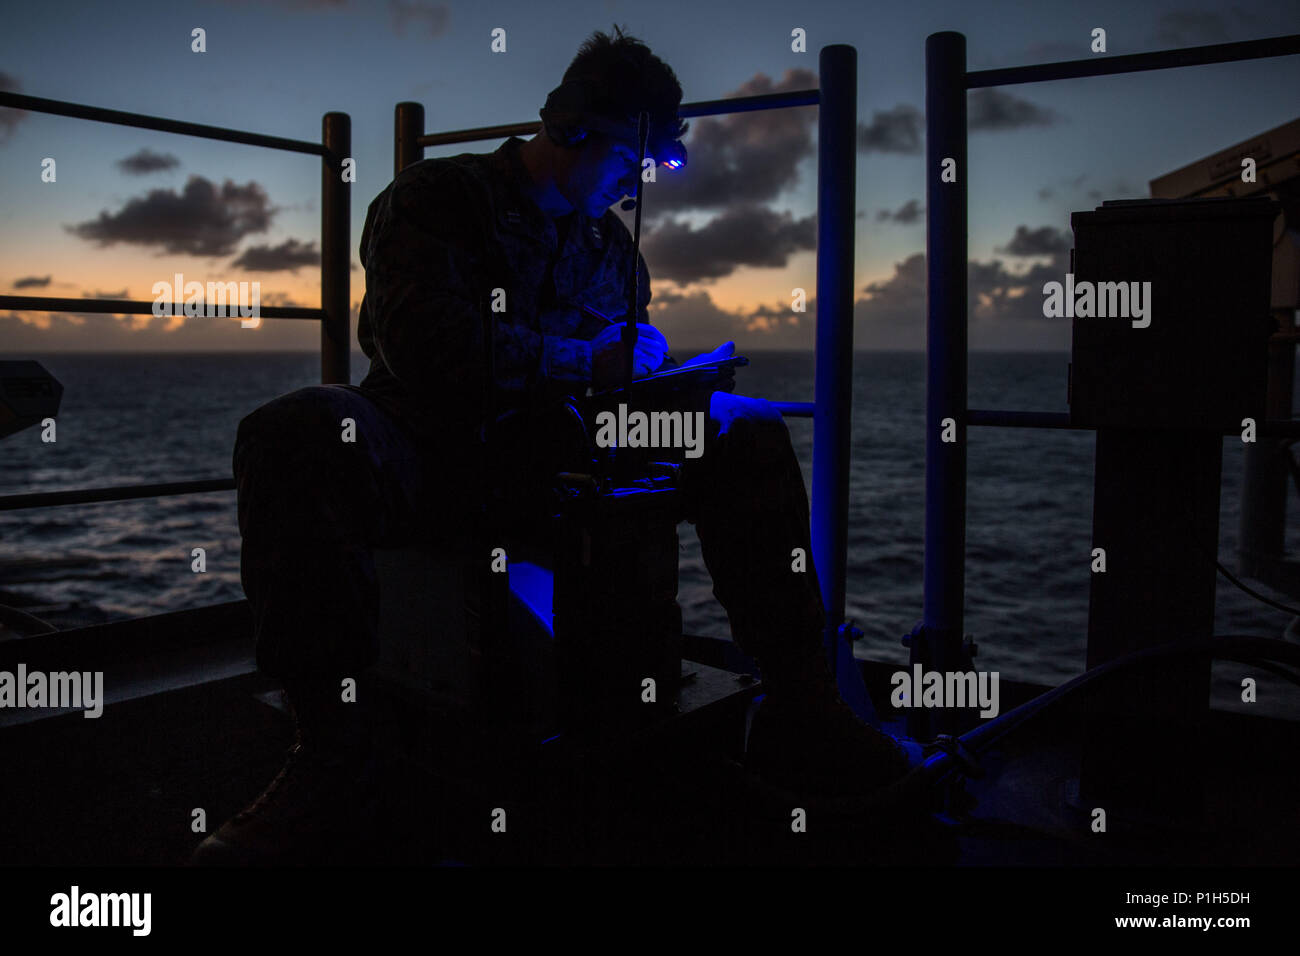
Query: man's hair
[{"x": 629, "y": 78}]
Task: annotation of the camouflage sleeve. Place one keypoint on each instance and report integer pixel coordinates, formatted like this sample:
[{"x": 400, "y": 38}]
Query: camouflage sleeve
[
  {"x": 566, "y": 360},
  {"x": 426, "y": 257},
  {"x": 643, "y": 296}
]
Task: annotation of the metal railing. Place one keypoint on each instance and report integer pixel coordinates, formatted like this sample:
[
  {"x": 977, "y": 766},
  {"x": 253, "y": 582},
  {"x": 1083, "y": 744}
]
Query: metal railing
[
  {"x": 831, "y": 410},
  {"x": 947, "y": 83},
  {"x": 335, "y": 145}
]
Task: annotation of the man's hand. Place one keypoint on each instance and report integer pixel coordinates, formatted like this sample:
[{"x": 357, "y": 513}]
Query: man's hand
[
  {"x": 724, "y": 351},
  {"x": 607, "y": 354}
]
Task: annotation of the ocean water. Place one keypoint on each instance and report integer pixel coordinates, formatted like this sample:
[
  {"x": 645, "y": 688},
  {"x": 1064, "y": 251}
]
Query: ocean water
[{"x": 136, "y": 418}]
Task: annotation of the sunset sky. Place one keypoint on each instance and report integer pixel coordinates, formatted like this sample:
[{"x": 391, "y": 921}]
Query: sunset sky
[{"x": 725, "y": 242}]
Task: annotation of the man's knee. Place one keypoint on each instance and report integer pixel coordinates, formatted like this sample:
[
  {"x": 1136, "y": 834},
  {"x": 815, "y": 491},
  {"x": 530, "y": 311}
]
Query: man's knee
[
  {"x": 295, "y": 421},
  {"x": 293, "y": 467},
  {"x": 751, "y": 420},
  {"x": 321, "y": 432}
]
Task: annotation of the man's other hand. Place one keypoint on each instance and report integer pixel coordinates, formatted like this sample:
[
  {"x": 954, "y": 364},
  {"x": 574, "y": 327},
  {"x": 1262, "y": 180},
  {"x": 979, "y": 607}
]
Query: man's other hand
[
  {"x": 607, "y": 354},
  {"x": 724, "y": 351}
]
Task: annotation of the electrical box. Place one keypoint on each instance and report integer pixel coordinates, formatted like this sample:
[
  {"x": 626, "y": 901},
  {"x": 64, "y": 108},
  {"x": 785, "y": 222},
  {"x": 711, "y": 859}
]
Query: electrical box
[{"x": 1170, "y": 307}]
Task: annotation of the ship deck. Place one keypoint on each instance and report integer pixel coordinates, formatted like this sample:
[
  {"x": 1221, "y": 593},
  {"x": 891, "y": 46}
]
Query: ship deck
[{"x": 193, "y": 725}]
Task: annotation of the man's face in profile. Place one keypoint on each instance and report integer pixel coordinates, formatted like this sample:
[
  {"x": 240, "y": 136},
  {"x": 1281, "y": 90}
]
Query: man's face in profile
[{"x": 599, "y": 174}]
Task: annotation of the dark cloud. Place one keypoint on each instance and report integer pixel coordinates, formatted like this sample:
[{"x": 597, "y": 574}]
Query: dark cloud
[
  {"x": 745, "y": 235},
  {"x": 290, "y": 254},
  {"x": 892, "y": 131},
  {"x": 100, "y": 294},
  {"x": 430, "y": 19},
  {"x": 203, "y": 220},
  {"x": 146, "y": 161},
  {"x": 1190, "y": 28},
  {"x": 692, "y": 322},
  {"x": 32, "y": 282},
  {"x": 990, "y": 109},
  {"x": 900, "y": 299},
  {"x": 907, "y": 213},
  {"x": 1044, "y": 241},
  {"x": 1046, "y": 193},
  {"x": 742, "y": 157},
  {"x": 9, "y": 118},
  {"x": 994, "y": 293}
]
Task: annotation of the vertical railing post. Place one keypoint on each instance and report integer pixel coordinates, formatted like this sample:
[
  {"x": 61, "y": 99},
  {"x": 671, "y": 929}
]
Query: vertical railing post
[
  {"x": 938, "y": 646},
  {"x": 336, "y": 237},
  {"x": 408, "y": 127},
  {"x": 836, "y": 221}
]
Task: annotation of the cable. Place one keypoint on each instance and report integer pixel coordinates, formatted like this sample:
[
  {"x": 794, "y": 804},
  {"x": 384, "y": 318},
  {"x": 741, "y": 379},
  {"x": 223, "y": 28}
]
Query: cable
[
  {"x": 19, "y": 620},
  {"x": 911, "y": 787},
  {"x": 1255, "y": 594},
  {"x": 1200, "y": 544}
]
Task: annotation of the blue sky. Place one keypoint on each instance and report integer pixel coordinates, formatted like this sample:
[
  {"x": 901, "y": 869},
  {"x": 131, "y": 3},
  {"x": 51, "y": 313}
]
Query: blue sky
[{"x": 722, "y": 262}]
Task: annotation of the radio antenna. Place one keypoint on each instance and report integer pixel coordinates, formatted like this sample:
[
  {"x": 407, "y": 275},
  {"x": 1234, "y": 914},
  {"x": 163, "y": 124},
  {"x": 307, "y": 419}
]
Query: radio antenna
[{"x": 629, "y": 329}]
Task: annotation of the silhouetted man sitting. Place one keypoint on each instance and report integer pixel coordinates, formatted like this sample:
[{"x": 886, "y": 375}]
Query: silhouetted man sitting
[{"x": 533, "y": 219}]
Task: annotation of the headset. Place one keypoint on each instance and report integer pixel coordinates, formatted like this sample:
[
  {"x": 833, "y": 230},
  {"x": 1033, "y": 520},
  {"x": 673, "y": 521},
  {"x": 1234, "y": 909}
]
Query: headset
[{"x": 576, "y": 107}]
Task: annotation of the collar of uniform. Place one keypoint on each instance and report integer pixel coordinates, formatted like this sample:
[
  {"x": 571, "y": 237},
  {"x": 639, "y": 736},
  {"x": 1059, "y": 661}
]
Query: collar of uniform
[
  {"x": 519, "y": 208},
  {"x": 585, "y": 232}
]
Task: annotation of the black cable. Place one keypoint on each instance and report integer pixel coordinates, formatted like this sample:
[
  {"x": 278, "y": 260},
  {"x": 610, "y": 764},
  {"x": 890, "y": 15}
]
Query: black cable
[
  {"x": 1191, "y": 527},
  {"x": 1255, "y": 594},
  {"x": 19, "y": 620},
  {"x": 1245, "y": 648}
]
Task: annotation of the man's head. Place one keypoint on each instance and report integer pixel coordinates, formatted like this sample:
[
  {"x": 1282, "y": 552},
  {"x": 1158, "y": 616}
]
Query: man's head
[{"x": 589, "y": 146}]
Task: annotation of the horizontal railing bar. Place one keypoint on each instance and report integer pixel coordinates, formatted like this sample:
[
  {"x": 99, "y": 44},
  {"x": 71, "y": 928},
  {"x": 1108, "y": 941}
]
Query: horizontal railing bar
[
  {"x": 796, "y": 409},
  {"x": 479, "y": 132},
  {"x": 81, "y": 496},
  {"x": 739, "y": 104},
  {"x": 32, "y": 303},
  {"x": 1137, "y": 62},
  {"x": 1014, "y": 419},
  {"x": 1270, "y": 428},
  {"x": 748, "y": 104},
  {"x": 121, "y": 118}
]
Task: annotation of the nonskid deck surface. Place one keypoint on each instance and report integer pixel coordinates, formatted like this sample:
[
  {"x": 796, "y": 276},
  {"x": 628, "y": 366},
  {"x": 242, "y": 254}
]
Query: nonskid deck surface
[{"x": 85, "y": 794}]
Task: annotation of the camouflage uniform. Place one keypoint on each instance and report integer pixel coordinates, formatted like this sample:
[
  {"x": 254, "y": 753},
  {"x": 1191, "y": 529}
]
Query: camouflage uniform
[{"x": 436, "y": 243}]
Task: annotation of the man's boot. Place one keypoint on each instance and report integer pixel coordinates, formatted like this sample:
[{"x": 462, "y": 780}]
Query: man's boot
[
  {"x": 315, "y": 810},
  {"x": 804, "y": 739}
]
